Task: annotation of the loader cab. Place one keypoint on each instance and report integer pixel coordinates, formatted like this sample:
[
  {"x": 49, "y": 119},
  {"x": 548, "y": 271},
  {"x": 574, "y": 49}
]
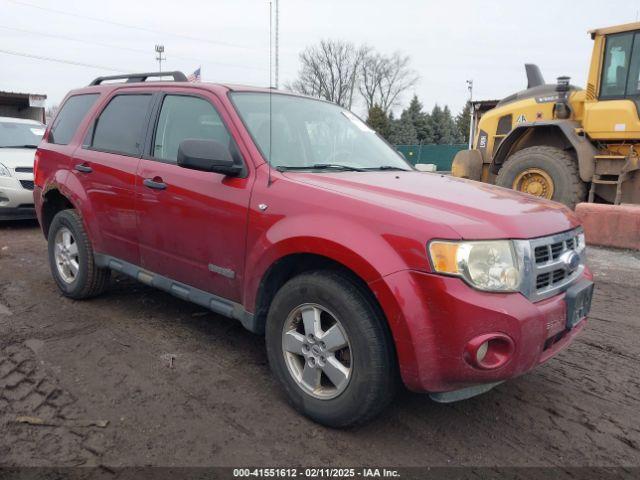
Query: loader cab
[
  {"x": 619, "y": 76},
  {"x": 613, "y": 92}
]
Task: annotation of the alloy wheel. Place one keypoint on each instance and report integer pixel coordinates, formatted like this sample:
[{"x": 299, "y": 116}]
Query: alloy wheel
[
  {"x": 317, "y": 351},
  {"x": 66, "y": 255}
]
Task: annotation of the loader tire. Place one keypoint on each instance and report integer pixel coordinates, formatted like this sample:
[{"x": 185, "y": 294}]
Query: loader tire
[{"x": 546, "y": 172}]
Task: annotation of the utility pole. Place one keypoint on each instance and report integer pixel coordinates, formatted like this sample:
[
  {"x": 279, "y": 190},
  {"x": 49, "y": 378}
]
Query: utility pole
[
  {"x": 277, "y": 41},
  {"x": 159, "y": 57},
  {"x": 471, "y": 113}
]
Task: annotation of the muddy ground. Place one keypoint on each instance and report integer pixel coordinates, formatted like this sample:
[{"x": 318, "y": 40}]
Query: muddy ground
[{"x": 181, "y": 386}]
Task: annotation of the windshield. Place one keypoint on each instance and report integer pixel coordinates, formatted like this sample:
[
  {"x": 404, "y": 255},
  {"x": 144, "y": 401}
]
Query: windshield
[
  {"x": 313, "y": 134},
  {"x": 15, "y": 134}
]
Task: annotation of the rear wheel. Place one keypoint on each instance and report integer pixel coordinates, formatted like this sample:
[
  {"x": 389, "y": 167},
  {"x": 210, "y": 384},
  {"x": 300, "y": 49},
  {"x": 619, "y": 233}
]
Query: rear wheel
[
  {"x": 71, "y": 258},
  {"x": 546, "y": 172},
  {"x": 330, "y": 349}
]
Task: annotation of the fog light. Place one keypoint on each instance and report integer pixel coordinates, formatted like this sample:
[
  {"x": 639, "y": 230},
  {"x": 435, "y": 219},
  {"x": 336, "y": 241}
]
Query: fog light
[
  {"x": 489, "y": 351},
  {"x": 482, "y": 352}
]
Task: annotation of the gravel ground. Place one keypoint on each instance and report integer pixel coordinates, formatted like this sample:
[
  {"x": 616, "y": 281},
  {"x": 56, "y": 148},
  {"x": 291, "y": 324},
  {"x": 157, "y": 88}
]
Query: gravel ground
[{"x": 180, "y": 386}]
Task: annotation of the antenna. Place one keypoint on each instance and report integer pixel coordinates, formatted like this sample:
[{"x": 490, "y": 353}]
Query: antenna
[
  {"x": 277, "y": 42},
  {"x": 270, "y": 90}
]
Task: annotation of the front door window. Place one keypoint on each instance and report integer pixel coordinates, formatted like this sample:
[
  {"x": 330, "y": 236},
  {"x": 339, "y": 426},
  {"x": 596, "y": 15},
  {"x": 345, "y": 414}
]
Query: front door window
[{"x": 183, "y": 117}]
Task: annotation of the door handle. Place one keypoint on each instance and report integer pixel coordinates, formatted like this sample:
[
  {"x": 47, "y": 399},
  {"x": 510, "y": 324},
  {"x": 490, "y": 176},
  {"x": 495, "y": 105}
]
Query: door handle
[
  {"x": 155, "y": 184},
  {"x": 81, "y": 167}
]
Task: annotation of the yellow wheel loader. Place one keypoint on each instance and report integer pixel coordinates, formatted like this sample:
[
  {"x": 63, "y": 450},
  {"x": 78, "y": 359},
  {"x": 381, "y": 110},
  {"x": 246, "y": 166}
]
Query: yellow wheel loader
[{"x": 564, "y": 143}]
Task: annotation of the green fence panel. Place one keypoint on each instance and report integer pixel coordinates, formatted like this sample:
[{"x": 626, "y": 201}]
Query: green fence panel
[{"x": 440, "y": 155}]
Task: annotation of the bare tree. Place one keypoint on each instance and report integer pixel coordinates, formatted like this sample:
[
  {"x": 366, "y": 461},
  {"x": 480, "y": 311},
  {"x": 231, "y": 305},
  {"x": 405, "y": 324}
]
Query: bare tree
[
  {"x": 385, "y": 78},
  {"x": 371, "y": 72},
  {"x": 330, "y": 70},
  {"x": 50, "y": 112}
]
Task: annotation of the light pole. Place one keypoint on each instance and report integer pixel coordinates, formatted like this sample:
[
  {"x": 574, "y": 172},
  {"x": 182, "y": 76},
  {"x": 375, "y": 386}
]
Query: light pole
[
  {"x": 159, "y": 57},
  {"x": 471, "y": 113}
]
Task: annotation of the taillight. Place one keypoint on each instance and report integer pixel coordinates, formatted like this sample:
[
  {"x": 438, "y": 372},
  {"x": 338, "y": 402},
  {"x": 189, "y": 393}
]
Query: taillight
[{"x": 36, "y": 170}]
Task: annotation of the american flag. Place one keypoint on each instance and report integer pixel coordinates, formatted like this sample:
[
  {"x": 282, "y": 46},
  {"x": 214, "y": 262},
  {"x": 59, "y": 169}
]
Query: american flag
[{"x": 195, "y": 76}]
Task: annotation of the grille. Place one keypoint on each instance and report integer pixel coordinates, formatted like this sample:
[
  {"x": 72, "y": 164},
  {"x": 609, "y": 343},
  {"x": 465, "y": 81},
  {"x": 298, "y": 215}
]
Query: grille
[
  {"x": 543, "y": 280},
  {"x": 552, "y": 251},
  {"x": 542, "y": 254},
  {"x": 24, "y": 169},
  {"x": 27, "y": 184},
  {"x": 551, "y": 273}
]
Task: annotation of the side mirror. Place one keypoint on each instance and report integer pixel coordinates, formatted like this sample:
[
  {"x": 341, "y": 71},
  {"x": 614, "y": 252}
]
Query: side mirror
[{"x": 207, "y": 156}]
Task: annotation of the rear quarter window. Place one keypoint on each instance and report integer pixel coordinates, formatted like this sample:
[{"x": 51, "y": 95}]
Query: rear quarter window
[{"x": 71, "y": 115}]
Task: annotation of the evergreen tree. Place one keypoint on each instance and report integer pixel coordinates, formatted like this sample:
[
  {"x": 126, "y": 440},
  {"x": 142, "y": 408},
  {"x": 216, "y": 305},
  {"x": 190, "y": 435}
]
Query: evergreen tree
[
  {"x": 442, "y": 125},
  {"x": 449, "y": 130},
  {"x": 428, "y": 130},
  {"x": 418, "y": 118},
  {"x": 417, "y": 126},
  {"x": 435, "y": 119},
  {"x": 404, "y": 131},
  {"x": 379, "y": 121},
  {"x": 462, "y": 124},
  {"x": 394, "y": 125}
]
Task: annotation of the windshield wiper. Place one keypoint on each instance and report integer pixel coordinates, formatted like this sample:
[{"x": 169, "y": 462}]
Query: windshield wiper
[
  {"x": 320, "y": 166},
  {"x": 388, "y": 167},
  {"x": 19, "y": 146}
]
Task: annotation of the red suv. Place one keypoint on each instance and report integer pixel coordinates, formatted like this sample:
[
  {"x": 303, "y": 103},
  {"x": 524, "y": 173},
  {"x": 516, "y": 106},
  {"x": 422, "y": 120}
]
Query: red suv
[{"x": 292, "y": 216}]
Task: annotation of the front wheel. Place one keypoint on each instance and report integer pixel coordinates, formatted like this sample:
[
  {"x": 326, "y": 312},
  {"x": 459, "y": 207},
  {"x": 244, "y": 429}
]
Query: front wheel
[
  {"x": 546, "y": 172},
  {"x": 329, "y": 347}
]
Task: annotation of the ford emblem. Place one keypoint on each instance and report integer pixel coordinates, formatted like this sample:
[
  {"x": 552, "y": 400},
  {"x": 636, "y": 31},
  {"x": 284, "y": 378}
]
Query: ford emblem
[{"x": 571, "y": 261}]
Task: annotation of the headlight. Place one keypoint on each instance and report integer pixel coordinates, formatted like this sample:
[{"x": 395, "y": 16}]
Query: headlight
[
  {"x": 581, "y": 242},
  {"x": 486, "y": 265},
  {"x": 4, "y": 171}
]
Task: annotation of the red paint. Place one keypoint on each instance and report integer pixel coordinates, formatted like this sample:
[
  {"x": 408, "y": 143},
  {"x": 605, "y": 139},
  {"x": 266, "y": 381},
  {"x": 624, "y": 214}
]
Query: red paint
[{"x": 376, "y": 224}]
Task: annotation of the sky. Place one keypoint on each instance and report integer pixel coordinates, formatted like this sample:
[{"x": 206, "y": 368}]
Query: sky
[{"x": 448, "y": 41}]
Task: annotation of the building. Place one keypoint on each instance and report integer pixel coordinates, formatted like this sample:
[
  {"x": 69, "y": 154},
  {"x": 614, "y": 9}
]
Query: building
[{"x": 23, "y": 105}]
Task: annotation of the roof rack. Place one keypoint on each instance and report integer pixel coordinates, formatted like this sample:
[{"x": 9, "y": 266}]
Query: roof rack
[{"x": 141, "y": 77}]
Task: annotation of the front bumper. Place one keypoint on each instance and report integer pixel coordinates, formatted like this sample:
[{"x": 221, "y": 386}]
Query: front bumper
[
  {"x": 433, "y": 318},
  {"x": 22, "y": 213},
  {"x": 16, "y": 201}
]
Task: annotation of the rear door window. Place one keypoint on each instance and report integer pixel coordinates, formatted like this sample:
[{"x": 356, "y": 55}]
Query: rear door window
[
  {"x": 121, "y": 126},
  {"x": 71, "y": 114}
]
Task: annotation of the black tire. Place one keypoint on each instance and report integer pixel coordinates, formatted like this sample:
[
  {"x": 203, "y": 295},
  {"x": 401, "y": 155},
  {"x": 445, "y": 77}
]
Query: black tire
[
  {"x": 560, "y": 165},
  {"x": 374, "y": 376},
  {"x": 90, "y": 280}
]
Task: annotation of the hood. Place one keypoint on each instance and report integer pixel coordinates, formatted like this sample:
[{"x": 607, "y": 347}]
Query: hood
[
  {"x": 474, "y": 210},
  {"x": 17, "y": 157}
]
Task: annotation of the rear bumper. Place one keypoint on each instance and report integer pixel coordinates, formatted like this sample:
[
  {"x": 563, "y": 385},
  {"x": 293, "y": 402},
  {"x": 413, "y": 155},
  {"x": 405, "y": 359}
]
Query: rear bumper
[{"x": 433, "y": 318}]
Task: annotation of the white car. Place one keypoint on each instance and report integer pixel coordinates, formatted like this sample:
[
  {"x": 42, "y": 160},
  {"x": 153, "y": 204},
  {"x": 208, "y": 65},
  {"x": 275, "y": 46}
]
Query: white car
[{"x": 19, "y": 139}]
